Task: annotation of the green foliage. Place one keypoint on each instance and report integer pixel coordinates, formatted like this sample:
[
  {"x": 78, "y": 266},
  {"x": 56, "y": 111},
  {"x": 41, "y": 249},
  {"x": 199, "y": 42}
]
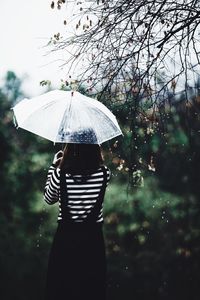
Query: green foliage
[
  {"x": 152, "y": 242},
  {"x": 23, "y": 159}
]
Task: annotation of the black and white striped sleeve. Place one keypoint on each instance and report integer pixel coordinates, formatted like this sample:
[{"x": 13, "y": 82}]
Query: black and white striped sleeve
[{"x": 52, "y": 186}]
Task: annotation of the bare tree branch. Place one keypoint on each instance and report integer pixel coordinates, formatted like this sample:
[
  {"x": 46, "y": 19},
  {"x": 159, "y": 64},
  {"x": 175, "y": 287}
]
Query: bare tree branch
[{"x": 124, "y": 43}]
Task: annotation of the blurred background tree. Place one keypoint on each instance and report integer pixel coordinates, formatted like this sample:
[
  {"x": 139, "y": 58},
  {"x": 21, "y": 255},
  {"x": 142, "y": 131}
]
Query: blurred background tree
[
  {"x": 23, "y": 158},
  {"x": 151, "y": 229}
]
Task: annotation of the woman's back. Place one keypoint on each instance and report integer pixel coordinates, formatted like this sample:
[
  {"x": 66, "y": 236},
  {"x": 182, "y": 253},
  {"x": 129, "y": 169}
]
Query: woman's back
[
  {"x": 77, "y": 262},
  {"x": 83, "y": 191}
]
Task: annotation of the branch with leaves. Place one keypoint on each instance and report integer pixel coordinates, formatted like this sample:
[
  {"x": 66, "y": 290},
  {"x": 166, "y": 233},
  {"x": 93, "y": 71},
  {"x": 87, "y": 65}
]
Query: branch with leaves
[{"x": 127, "y": 45}]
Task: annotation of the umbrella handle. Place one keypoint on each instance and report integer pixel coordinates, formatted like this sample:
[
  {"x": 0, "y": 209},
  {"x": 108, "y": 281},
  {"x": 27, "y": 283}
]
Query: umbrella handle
[
  {"x": 63, "y": 147},
  {"x": 15, "y": 122}
]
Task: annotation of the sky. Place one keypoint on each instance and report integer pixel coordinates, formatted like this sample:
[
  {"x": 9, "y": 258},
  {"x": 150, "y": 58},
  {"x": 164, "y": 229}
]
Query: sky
[
  {"x": 26, "y": 26},
  {"x": 25, "y": 29}
]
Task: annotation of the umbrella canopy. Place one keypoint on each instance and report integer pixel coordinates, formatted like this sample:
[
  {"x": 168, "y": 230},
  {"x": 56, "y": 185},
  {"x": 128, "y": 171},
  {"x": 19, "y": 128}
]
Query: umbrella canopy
[{"x": 67, "y": 117}]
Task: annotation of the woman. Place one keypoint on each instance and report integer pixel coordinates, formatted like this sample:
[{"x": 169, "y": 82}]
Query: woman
[{"x": 77, "y": 180}]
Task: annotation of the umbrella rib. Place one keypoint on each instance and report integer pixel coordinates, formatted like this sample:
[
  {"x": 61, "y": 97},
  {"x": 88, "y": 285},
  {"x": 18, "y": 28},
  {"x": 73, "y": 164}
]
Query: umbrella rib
[
  {"x": 63, "y": 120},
  {"x": 40, "y": 108}
]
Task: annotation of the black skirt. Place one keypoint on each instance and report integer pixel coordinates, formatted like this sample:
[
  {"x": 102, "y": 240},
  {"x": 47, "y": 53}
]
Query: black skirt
[{"x": 77, "y": 263}]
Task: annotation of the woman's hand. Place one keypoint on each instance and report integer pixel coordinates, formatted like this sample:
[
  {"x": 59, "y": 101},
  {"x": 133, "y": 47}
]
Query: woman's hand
[{"x": 57, "y": 158}]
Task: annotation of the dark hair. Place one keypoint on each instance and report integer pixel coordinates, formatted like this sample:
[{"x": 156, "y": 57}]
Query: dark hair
[{"x": 81, "y": 158}]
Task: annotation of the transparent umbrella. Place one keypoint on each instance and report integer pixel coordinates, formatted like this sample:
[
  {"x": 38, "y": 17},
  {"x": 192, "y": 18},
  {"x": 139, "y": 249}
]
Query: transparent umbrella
[{"x": 67, "y": 117}]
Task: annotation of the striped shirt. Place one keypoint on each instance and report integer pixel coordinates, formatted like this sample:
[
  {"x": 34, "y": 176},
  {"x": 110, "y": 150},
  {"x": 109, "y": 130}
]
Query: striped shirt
[{"x": 83, "y": 192}]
